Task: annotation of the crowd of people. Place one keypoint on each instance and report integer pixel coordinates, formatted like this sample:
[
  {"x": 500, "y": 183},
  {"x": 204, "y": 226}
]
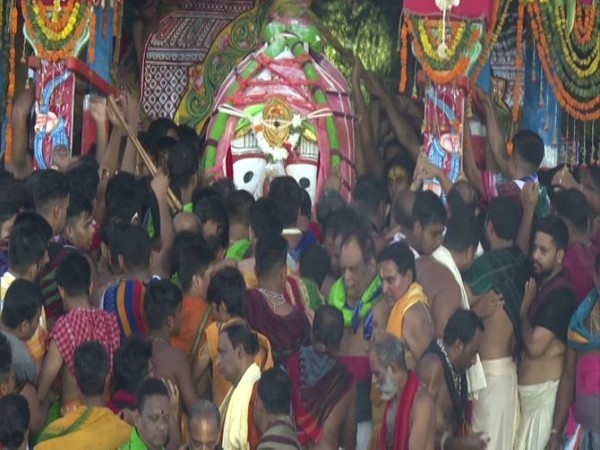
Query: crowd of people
[{"x": 402, "y": 320}]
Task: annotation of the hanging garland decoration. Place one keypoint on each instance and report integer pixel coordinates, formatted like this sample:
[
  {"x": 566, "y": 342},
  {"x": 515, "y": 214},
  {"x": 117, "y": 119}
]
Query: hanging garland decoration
[
  {"x": 570, "y": 60},
  {"x": 56, "y": 37},
  {"x": 494, "y": 31},
  {"x": 426, "y": 39},
  {"x": 519, "y": 54},
  {"x": 584, "y": 24},
  {"x": 12, "y": 64},
  {"x": 92, "y": 42},
  {"x": 4, "y": 46}
]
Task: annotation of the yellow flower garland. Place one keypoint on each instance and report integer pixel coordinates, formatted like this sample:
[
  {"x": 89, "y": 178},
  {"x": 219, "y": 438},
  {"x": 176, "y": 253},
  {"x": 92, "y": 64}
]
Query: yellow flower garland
[
  {"x": 431, "y": 51},
  {"x": 64, "y": 33}
]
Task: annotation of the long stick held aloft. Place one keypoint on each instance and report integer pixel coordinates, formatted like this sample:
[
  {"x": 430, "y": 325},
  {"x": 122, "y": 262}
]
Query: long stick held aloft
[{"x": 174, "y": 202}]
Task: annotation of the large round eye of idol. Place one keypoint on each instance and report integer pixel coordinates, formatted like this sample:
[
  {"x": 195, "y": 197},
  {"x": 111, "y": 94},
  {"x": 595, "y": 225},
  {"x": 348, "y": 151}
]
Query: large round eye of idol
[
  {"x": 247, "y": 174},
  {"x": 304, "y": 183},
  {"x": 306, "y": 176}
]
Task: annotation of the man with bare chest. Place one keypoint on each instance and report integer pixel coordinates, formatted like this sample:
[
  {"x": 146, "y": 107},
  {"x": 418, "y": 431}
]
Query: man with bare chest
[
  {"x": 324, "y": 394},
  {"x": 355, "y": 294},
  {"x": 442, "y": 369},
  {"x": 404, "y": 312},
  {"x": 422, "y": 219},
  {"x": 409, "y": 419},
  {"x": 503, "y": 269},
  {"x": 163, "y": 310},
  {"x": 548, "y": 304}
]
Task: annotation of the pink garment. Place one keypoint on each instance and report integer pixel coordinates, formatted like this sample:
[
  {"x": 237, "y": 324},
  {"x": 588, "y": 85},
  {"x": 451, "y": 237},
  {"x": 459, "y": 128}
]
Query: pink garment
[
  {"x": 358, "y": 366},
  {"x": 587, "y": 390},
  {"x": 579, "y": 262},
  {"x": 84, "y": 325},
  {"x": 587, "y": 379}
]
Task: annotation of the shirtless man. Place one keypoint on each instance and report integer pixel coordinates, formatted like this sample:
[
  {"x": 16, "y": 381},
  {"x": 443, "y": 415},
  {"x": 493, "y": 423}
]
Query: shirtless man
[
  {"x": 404, "y": 311},
  {"x": 409, "y": 421},
  {"x": 443, "y": 370},
  {"x": 421, "y": 217},
  {"x": 163, "y": 310},
  {"x": 503, "y": 269},
  {"x": 545, "y": 314},
  {"x": 325, "y": 411},
  {"x": 354, "y": 294}
]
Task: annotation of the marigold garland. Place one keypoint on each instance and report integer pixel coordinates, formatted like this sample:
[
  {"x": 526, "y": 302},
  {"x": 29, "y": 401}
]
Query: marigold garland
[
  {"x": 404, "y": 58},
  {"x": 51, "y": 42},
  {"x": 56, "y": 23},
  {"x": 495, "y": 28},
  {"x": 12, "y": 64},
  {"x": 463, "y": 35},
  {"x": 92, "y": 41},
  {"x": 516, "y": 108},
  {"x": 584, "y": 23},
  {"x": 576, "y": 94}
]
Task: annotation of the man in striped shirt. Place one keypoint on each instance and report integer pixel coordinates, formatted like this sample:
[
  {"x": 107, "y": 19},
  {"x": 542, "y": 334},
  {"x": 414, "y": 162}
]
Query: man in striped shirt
[{"x": 272, "y": 412}]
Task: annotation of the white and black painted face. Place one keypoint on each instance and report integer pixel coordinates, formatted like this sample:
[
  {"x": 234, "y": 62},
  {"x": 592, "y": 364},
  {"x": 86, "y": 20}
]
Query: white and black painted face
[{"x": 252, "y": 172}]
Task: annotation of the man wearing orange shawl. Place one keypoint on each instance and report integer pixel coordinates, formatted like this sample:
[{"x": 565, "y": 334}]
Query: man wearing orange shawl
[
  {"x": 409, "y": 418},
  {"x": 404, "y": 313},
  {"x": 226, "y": 294},
  {"x": 195, "y": 269}
]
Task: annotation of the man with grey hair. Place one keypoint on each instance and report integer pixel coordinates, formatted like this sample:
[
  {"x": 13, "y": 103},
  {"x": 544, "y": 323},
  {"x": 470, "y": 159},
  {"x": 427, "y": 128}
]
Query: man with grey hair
[
  {"x": 409, "y": 419},
  {"x": 204, "y": 427}
]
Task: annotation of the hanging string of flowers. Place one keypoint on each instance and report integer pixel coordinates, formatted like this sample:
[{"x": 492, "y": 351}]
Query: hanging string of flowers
[
  {"x": 404, "y": 58},
  {"x": 495, "y": 29},
  {"x": 570, "y": 60},
  {"x": 519, "y": 53},
  {"x": 585, "y": 24},
  {"x": 56, "y": 36},
  {"x": 426, "y": 38},
  {"x": 92, "y": 42},
  {"x": 12, "y": 62},
  {"x": 4, "y": 46}
]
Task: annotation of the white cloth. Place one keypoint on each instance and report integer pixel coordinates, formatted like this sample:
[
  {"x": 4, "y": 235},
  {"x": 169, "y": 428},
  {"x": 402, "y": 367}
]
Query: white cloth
[
  {"x": 363, "y": 435},
  {"x": 475, "y": 375},
  {"x": 399, "y": 237},
  {"x": 496, "y": 409},
  {"x": 235, "y": 430},
  {"x": 537, "y": 407}
]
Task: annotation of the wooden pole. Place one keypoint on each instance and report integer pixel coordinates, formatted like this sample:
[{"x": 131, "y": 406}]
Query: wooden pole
[{"x": 174, "y": 202}]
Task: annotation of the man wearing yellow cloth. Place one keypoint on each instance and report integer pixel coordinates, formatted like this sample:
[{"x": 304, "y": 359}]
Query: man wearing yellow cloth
[
  {"x": 238, "y": 346},
  {"x": 227, "y": 296},
  {"x": 404, "y": 313},
  {"x": 90, "y": 426}
]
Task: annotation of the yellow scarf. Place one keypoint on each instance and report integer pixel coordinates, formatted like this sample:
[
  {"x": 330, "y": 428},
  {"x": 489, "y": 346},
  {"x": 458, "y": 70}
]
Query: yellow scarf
[{"x": 413, "y": 296}]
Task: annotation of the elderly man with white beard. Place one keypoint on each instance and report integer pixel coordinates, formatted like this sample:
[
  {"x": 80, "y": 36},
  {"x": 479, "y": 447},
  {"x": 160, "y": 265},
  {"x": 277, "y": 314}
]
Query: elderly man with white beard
[{"x": 409, "y": 419}]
